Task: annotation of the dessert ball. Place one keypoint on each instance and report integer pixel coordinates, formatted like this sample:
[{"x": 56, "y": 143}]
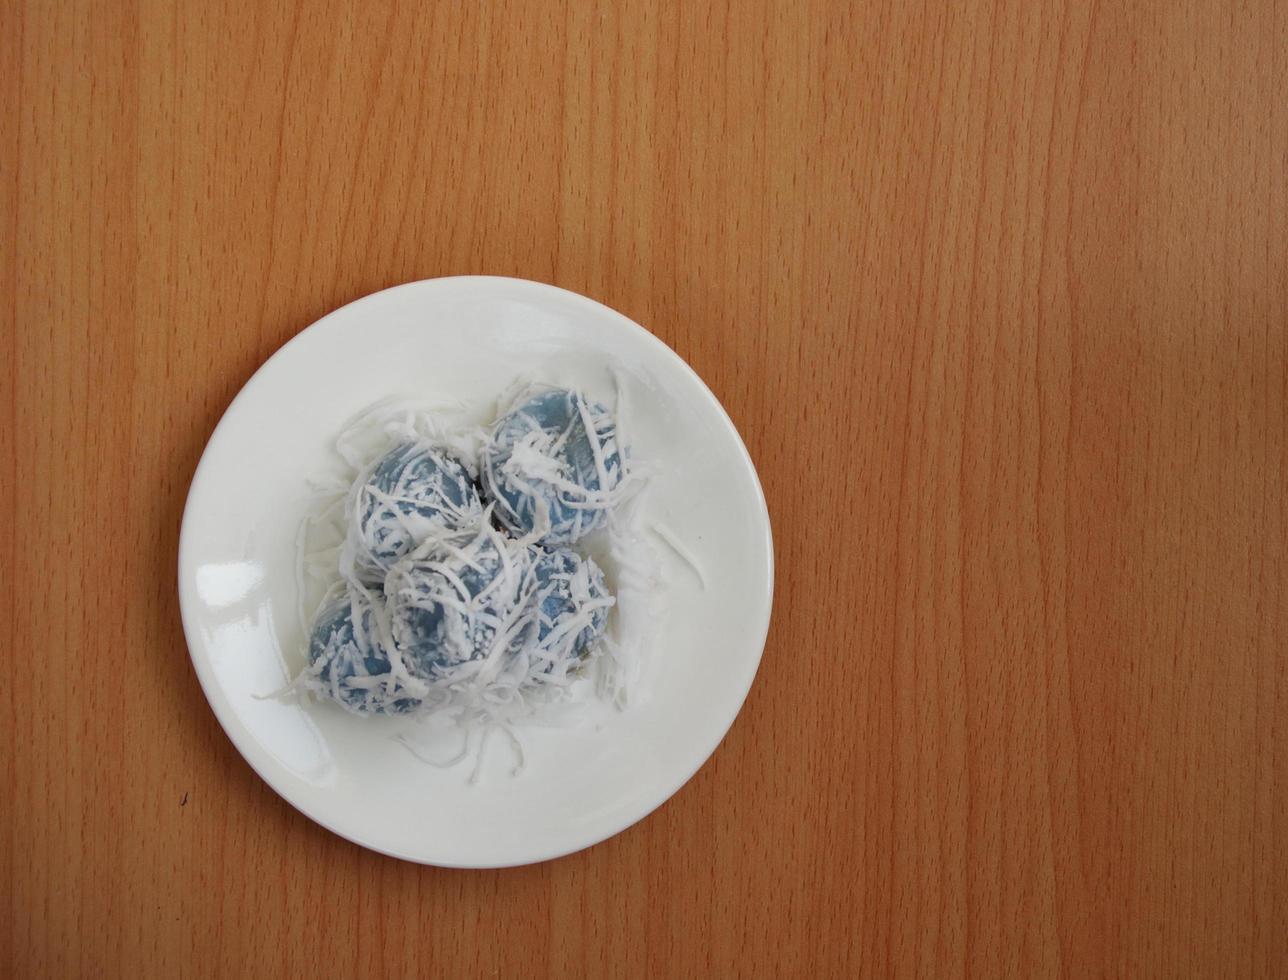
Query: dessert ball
[
  {"x": 348, "y": 661},
  {"x": 470, "y": 600},
  {"x": 551, "y": 465},
  {"x": 572, "y": 604},
  {"x": 414, "y": 493}
]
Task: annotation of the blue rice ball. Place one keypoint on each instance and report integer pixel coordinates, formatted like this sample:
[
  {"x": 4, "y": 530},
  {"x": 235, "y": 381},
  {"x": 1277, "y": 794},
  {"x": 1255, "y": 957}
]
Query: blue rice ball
[
  {"x": 551, "y": 464},
  {"x": 351, "y": 664},
  {"x": 414, "y": 493},
  {"x": 573, "y": 603},
  {"x": 457, "y": 604}
]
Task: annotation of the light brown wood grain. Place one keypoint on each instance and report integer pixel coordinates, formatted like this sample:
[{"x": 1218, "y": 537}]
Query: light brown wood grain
[{"x": 997, "y": 293}]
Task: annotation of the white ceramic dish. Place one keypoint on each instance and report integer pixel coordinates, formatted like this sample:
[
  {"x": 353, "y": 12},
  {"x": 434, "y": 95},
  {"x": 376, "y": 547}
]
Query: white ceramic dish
[{"x": 468, "y": 338}]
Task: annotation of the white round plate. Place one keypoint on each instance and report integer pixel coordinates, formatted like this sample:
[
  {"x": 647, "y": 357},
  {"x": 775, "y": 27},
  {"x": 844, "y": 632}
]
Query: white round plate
[{"x": 468, "y": 338}]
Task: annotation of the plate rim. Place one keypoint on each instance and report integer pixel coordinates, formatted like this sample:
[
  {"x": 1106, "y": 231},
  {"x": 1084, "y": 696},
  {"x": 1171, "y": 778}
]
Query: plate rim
[{"x": 238, "y": 733}]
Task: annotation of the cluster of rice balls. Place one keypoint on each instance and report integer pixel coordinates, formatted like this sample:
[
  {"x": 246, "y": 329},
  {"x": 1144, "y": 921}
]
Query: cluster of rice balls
[{"x": 459, "y": 577}]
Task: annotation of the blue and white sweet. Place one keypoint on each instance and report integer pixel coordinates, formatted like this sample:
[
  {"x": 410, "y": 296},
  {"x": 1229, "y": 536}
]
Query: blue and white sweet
[
  {"x": 469, "y": 597},
  {"x": 572, "y": 604},
  {"x": 552, "y": 465},
  {"x": 465, "y": 603},
  {"x": 349, "y": 661},
  {"x": 414, "y": 493}
]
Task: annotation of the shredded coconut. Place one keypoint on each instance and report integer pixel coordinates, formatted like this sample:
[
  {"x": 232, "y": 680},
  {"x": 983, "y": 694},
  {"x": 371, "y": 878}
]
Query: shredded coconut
[{"x": 426, "y": 610}]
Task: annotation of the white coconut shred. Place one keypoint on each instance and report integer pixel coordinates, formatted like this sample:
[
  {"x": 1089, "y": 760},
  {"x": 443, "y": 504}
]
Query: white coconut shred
[{"x": 477, "y": 628}]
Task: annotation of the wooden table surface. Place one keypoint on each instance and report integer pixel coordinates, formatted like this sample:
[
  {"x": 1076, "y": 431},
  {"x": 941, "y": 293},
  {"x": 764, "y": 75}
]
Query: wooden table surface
[{"x": 997, "y": 293}]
